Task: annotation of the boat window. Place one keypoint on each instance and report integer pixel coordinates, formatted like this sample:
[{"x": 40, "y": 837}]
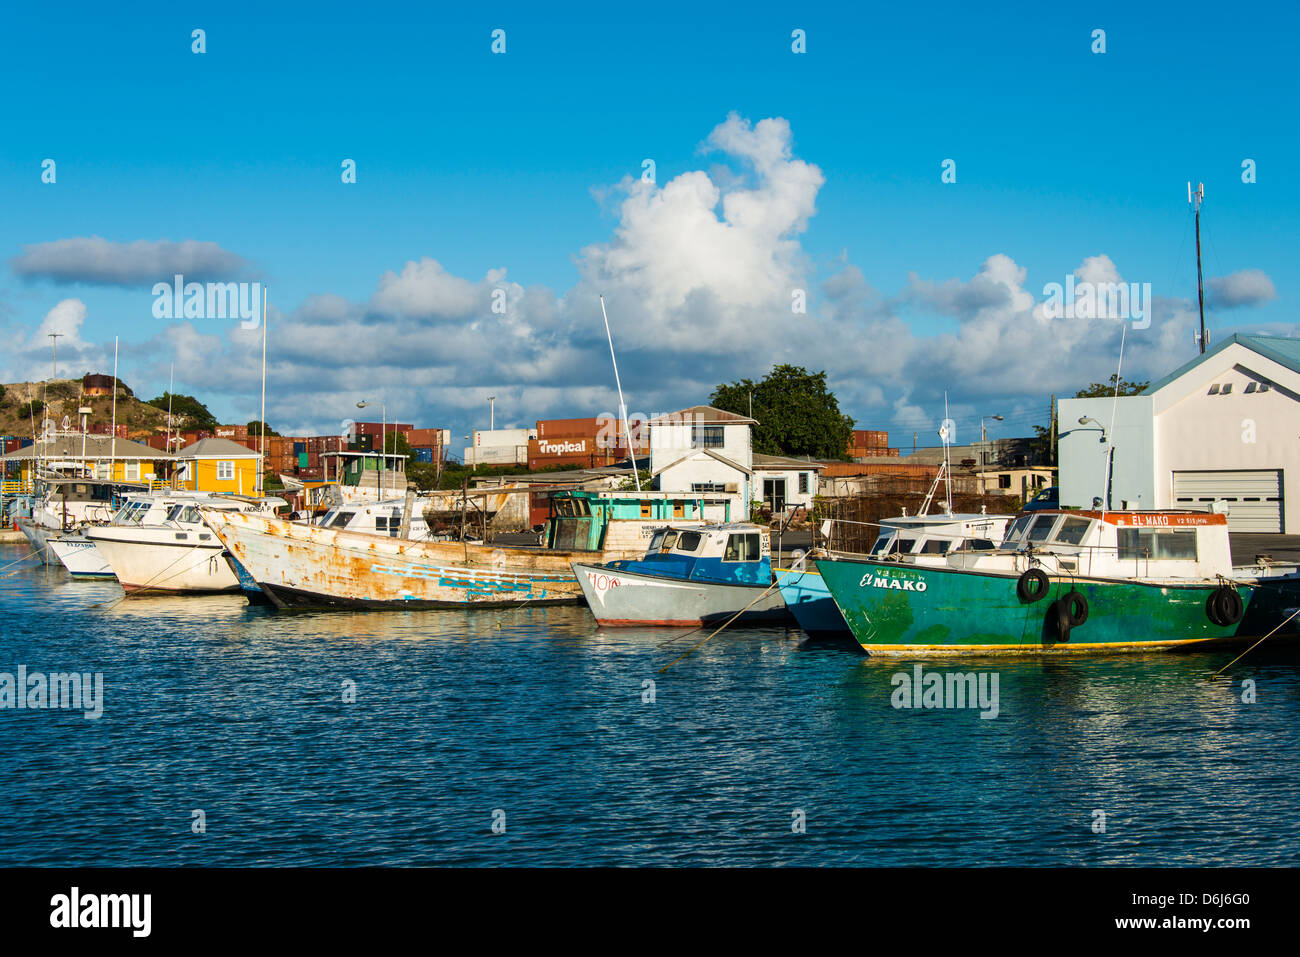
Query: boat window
[
  {"x": 381, "y": 523},
  {"x": 879, "y": 545},
  {"x": 742, "y": 547},
  {"x": 656, "y": 541},
  {"x": 342, "y": 519},
  {"x": 975, "y": 545},
  {"x": 670, "y": 539},
  {"x": 933, "y": 546},
  {"x": 688, "y": 542},
  {"x": 1072, "y": 531},
  {"x": 1041, "y": 529},
  {"x": 1017, "y": 529},
  {"x": 903, "y": 545},
  {"x": 1157, "y": 543}
]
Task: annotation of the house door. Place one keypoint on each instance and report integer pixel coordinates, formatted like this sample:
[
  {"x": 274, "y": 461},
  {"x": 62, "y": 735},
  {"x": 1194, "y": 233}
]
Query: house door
[{"x": 774, "y": 494}]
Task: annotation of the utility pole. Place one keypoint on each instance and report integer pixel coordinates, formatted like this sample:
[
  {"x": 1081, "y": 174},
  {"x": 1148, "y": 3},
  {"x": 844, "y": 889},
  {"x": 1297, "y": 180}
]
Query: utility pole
[
  {"x": 1051, "y": 452},
  {"x": 1196, "y": 199}
]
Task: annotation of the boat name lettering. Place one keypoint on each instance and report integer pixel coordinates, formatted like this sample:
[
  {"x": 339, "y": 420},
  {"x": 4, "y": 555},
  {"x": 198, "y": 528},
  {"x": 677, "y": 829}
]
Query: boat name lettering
[
  {"x": 604, "y": 582},
  {"x": 900, "y": 584}
]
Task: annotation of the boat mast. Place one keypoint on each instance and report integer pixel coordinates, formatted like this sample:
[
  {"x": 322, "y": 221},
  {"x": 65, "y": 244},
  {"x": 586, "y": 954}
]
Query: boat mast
[
  {"x": 112, "y": 438},
  {"x": 1196, "y": 198},
  {"x": 622, "y": 407},
  {"x": 261, "y": 445}
]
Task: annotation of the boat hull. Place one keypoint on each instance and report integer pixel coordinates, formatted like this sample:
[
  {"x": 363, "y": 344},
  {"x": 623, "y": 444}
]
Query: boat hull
[
  {"x": 81, "y": 557},
  {"x": 38, "y": 537},
  {"x": 144, "y": 564},
  {"x": 810, "y": 602},
  {"x": 901, "y": 609},
  {"x": 621, "y": 597},
  {"x": 303, "y": 566}
]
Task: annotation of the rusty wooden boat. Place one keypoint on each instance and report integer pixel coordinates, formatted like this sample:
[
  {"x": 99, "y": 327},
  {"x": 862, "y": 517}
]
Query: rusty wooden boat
[{"x": 309, "y": 566}]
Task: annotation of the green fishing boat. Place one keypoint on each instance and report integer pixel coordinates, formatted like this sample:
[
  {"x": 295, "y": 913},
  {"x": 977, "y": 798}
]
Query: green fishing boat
[{"x": 1060, "y": 582}]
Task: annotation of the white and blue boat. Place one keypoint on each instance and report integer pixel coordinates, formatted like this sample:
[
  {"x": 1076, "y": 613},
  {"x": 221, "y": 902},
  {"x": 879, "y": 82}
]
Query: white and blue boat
[{"x": 688, "y": 576}]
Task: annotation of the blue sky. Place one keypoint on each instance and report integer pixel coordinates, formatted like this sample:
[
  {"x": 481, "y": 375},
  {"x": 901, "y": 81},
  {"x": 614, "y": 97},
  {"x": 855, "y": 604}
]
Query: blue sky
[{"x": 485, "y": 162}]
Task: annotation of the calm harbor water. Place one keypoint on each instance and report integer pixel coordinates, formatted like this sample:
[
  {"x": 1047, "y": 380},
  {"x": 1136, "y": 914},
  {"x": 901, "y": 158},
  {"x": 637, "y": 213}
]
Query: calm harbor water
[{"x": 215, "y": 705}]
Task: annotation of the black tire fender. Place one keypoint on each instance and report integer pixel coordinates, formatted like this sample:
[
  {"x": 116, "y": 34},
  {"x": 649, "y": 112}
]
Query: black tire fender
[
  {"x": 1076, "y": 606},
  {"x": 1058, "y": 618},
  {"x": 1224, "y": 607},
  {"x": 1028, "y": 593}
]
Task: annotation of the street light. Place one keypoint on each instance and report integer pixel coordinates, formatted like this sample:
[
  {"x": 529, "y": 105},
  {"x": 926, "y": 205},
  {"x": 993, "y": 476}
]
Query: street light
[
  {"x": 984, "y": 452},
  {"x": 1110, "y": 450},
  {"x": 383, "y": 444}
]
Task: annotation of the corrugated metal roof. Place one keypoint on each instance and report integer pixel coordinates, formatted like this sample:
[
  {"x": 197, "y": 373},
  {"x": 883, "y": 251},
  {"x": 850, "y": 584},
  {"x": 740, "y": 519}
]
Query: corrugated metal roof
[
  {"x": 96, "y": 447},
  {"x": 216, "y": 449},
  {"x": 784, "y": 461},
  {"x": 1282, "y": 350}
]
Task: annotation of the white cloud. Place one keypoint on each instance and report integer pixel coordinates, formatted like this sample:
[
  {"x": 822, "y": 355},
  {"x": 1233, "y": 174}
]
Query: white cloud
[
  {"x": 95, "y": 260},
  {"x": 1246, "y": 287}
]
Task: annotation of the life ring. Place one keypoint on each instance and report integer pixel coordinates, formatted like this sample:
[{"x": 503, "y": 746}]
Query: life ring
[
  {"x": 1076, "y": 606},
  {"x": 1058, "y": 616},
  {"x": 1030, "y": 594},
  {"x": 1224, "y": 607}
]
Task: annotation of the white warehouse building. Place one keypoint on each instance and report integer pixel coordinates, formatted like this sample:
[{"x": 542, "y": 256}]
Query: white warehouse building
[{"x": 1223, "y": 428}]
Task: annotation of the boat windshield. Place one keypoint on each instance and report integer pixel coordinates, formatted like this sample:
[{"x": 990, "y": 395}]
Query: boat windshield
[
  {"x": 1072, "y": 531},
  {"x": 341, "y": 519},
  {"x": 185, "y": 514},
  {"x": 657, "y": 541},
  {"x": 742, "y": 547},
  {"x": 1041, "y": 529},
  {"x": 1016, "y": 531},
  {"x": 131, "y": 513}
]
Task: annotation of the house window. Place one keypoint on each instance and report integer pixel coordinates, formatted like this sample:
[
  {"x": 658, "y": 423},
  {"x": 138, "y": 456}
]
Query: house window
[
  {"x": 645, "y": 508},
  {"x": 679, "y": 509},
  {"x": 1004, "y": 480},
  {"x": 132, "y": 471},
  {"x": 706, "y": 437},
  {"x": 708, "y": 487},
  {"x": 803, "y": 483},
  {"x": 225, "y": 471}
]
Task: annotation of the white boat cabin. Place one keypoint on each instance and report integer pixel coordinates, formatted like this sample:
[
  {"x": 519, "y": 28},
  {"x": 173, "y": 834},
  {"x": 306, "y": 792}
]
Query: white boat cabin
[
  {"x": 929, "y": 538},
  {"x": 376, "y": 518},
  {"x": 1150, "y": 545}
]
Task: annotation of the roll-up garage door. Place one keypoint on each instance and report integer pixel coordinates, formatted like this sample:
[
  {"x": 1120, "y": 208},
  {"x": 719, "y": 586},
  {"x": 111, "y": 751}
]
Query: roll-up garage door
[{"x": 1254, "y": 499}]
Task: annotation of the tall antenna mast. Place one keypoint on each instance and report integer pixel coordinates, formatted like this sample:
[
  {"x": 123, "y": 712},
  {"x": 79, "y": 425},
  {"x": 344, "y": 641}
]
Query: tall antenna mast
[
  {"x": 1196, "y": 199},
  {"x": 622, "y": 407},
  {"x": 54, "y": 344}
]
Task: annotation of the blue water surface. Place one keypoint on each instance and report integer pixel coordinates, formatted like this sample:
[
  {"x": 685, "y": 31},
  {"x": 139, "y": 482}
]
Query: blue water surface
[{"x": 761, "y": 748}]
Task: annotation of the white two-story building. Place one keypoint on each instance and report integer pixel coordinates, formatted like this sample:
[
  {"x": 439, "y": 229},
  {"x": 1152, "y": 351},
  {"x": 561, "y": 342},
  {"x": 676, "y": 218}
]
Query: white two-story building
[{"x": 707, "y": 451}]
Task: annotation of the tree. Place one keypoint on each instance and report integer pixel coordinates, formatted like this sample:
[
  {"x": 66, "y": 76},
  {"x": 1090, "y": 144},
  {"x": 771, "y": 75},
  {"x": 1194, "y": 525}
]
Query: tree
[
  {"x": 187, "y": 407},
  {"x": 1097, "y": 390},
  {"x": 796, "y": 412},
  {"x": 3, "y": 396},
  {"x": 255, "y": 428}
]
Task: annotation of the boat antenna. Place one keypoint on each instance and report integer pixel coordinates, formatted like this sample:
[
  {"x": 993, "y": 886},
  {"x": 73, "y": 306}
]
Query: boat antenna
[
  {"x": 1196, "y": 198},
  {"x": 1110, "y": 436},
  {"x": 112, "y": 437},
  {"x": 622, "y": 407},
  {"x": 261, "y": 444}
]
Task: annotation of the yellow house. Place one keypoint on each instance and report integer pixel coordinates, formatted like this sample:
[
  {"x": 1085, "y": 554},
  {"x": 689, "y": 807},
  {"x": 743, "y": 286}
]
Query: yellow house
[
  {"x": 218, "y": 465},
  {"x": 93, "y": 456}
]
